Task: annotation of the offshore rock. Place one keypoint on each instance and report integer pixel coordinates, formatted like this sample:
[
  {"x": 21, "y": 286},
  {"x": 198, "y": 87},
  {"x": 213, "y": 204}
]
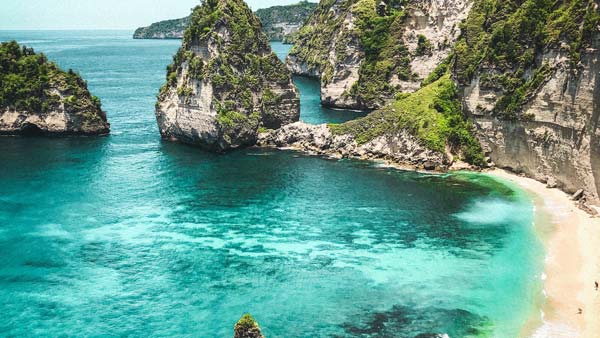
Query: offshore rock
[
  {"x": 247, "y": 327},
  {"x": 38, "y": 98},
  {"x": 225, "y": 82}
]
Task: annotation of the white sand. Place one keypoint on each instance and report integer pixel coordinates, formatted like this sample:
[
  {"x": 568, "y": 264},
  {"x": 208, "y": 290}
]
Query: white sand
[{"x": 572, "y": 240}]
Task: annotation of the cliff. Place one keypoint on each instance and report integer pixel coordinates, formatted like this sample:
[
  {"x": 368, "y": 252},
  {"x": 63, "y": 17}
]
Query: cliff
[
  {"x": 529, "y": 78},
  {"x": 37, "y": 97},
  {"x": 365, "y": 51},
  {"x": 280, "y": 23},
  {"x": 168, "y": 29},
  {"x": 525, "y": 73},
  {"x": 225, "y": 83}
]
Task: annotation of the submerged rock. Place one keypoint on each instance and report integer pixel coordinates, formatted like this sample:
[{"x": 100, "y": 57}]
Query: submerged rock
[
  {"x": 225, "y": 82},
  {"x": 247, "y": 327},
  {"x": 38, "y": 98}
]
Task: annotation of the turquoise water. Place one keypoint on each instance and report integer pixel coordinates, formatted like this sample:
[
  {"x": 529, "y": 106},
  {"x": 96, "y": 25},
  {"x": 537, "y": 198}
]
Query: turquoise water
[{"x": 133, "y": 237}]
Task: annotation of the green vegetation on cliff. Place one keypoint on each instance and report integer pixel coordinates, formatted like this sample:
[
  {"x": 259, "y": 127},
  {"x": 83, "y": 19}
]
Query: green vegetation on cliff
[
  {"x": 380, "y": 32},
  {"x": 377, "y": 34},
  {"x": 432, "y": 114},
  {"x": 31, "y": 83},
  {"x": 247, "y": 49},
  {"x": 292, "y": 16},
  {"x": 506, "y": 38},
  {"x": 168, "y": 29}
]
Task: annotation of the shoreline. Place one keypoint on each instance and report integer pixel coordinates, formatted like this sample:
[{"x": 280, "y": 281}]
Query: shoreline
[{"x": 571, "y": 238}]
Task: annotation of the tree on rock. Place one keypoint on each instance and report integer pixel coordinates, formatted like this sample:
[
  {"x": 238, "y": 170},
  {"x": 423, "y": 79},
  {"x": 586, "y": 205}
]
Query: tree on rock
[{"x": 247, "y": 327}]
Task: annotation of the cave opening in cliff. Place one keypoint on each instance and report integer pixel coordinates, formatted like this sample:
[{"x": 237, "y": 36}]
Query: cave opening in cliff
[{"x": 30, "y": 129}]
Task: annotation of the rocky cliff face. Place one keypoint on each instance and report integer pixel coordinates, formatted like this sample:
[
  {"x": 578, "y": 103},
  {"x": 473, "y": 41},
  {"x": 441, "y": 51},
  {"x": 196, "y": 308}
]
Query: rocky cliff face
[
  {"x": 398, "y": 148},
  {"x": 225, "y": 82},
  {"x": 366, "y": 51},
  {"x": 537, "y": 111},
  {"x": 37, "y": 98}
]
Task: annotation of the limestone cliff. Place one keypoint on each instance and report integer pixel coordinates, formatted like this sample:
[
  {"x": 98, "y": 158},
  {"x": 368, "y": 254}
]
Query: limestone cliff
[
  {"x": 530, "y": 81},
  {"x": 37, "y": 97},
  {"x": 225, "y": 83},
  {"x": 366, "y": 51}
]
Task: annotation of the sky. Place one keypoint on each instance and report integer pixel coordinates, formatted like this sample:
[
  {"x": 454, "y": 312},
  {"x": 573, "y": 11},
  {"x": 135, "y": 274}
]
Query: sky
[{"x": 99, "y": 14}]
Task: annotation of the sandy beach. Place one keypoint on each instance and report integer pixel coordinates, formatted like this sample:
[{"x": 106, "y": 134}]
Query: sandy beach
[{"x": 572, "y": 265}]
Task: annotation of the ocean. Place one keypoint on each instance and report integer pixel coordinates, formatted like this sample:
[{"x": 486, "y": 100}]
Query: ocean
[{"x": 131, "y": 236}]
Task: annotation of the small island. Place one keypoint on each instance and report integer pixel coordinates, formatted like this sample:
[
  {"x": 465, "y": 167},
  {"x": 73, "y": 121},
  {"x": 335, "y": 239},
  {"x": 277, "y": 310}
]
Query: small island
[
  {"x": 225, "y": 84},
  {"x": 38, "y": 98}
]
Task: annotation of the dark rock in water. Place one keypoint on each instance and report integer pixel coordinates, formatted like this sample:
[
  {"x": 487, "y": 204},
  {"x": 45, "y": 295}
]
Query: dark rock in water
[
  {"x": 247, "y": 327},
  {"x": 38, "y": 98},
  {"x": 429, "y": 166},
  {"x": 225, "y": 83}
]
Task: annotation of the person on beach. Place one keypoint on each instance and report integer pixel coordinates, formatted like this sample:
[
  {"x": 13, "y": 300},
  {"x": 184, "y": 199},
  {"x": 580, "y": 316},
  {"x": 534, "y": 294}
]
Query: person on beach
[
  {"x": 596, "y": 283},
  {"x": 580, "y": 311}
]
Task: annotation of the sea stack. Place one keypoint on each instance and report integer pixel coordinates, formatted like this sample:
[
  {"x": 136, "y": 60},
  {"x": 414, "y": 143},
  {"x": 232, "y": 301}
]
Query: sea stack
[
  {"x": 225, "y": 83},
  {"x": 38, "y": 98},
  {"x": 247, "y": 327}
]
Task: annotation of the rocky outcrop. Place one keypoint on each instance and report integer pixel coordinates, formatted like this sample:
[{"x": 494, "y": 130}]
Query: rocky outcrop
[
  {"x": 423, "y": 130},
  {"x": 366, "y": 51},
  {"x": 38, "y": 98},
  {"x": 247, "y": 327},
  {"x": 399, "y": 148},
  {"x": 225, "y": 82}
]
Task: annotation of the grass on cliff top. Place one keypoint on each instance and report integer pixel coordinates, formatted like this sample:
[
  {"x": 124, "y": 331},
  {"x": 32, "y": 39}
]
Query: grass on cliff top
[{"x": 432, "y": 114}]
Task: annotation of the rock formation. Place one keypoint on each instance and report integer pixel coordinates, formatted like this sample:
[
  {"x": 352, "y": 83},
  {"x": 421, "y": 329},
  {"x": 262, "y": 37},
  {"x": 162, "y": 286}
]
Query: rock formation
[
  {"x": 366, "y": 51},
  {"x": 247, "y": 327},
  {"x": 37, "y": 97},
  {"x": 534, "y": 93},
  {"x": 225, "y": 83}
]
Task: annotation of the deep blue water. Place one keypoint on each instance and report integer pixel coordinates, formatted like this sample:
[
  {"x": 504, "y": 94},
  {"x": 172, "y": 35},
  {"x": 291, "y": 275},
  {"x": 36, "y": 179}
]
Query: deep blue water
[{"x": 130, "y": 236}]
